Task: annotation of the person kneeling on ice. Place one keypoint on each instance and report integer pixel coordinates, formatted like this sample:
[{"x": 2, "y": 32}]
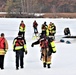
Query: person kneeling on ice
[
  {"x": 47, "y": 48},
  {"x": 67, "y": 31}
]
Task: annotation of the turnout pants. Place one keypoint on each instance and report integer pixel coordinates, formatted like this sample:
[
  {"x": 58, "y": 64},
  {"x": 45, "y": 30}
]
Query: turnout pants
[{"x": 45, "y": 57}]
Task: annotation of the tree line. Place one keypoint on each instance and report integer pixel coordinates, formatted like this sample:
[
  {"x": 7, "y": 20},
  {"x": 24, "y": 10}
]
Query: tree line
[{"x": 40, "y": 6}]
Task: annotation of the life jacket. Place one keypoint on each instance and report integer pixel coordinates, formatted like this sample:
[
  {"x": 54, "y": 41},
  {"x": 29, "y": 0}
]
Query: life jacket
[
  {"x": 2, "y": 43},
  {"x": 23, "y": 25},
  {"x": 19, "y": 42},
  {"x": 43, "y": 43},
  {"x": 52, "y": 29}
]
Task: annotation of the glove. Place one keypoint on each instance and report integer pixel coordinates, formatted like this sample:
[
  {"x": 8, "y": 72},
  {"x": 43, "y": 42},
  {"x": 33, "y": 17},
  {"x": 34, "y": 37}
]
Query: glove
[
  {"x": 25, "y": 52},
  {"x": 14, "y": 50},
  {"x": 54, "y": 52},
  {"x": 5, "y": 51},
  {"x": 32, "y": 45}
]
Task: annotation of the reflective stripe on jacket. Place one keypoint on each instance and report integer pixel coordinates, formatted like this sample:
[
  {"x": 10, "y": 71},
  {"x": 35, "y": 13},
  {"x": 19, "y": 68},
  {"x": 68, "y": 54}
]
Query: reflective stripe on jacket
[
  {"x": 2, "y": 52},
  {"x": 22, "y": 29},
  {"x": 20, "y": 45},
  {"x": 47, "y": 32},
  {"x": 52, "y": 28}
]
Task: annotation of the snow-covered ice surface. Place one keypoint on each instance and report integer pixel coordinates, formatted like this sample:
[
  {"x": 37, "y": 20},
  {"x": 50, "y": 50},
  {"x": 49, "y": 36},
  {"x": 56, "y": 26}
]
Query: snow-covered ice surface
[{"x": 63, "y": 61}]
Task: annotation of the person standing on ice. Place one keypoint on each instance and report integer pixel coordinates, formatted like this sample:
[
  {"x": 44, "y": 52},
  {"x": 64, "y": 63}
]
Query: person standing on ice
[
  {"x": 3, "y": 49},
  {"x": 22, "y": 28},
  {"x": 44, "y": 28},
  {"x": 47, "y": 48},
  {"x": 35, "y": 25},
  {"x": 19, "y": 47},
  {"x": 52, "y": 29}
]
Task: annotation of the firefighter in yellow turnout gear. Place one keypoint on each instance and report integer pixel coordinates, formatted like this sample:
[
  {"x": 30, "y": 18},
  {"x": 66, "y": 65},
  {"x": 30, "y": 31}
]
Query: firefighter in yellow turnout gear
[
  {"x": 22, "y": 28},
  {"x": 19, "y": 47},
  {"x": 49, "y": 30},
  {"x": 47, "y": 48},
  {"x": 52, "y": 29}
]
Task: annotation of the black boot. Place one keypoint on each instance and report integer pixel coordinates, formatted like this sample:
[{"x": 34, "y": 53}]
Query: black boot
[
  {"x": 44, "y": 65},
  {"x": 48, "y": 65},
  {"x": 17, "y": 68},
  {"x": 2, "y": 68},
  {"x": 22, "y": 67}
]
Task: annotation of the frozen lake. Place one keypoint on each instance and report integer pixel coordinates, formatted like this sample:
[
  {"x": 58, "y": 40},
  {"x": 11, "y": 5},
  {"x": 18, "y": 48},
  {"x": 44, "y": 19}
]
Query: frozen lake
[{"x": 63, "y": 61}]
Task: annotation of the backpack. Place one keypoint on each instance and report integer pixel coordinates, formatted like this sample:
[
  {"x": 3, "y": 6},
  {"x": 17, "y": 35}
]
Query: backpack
[
  {"x": 23, "y": 25},
  {"x": 19, "y": 42},
  {"x": 2, "y": 43},
  {"x": 43, "y": 43}
]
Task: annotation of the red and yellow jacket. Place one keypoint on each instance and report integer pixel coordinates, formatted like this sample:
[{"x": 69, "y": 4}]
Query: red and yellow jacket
[
  {"x": 22, "y": 27},
  {"x": 3, "y": 46}
]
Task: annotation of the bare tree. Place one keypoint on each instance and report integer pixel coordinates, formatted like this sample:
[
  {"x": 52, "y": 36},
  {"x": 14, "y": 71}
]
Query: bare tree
[{"x": 9, "y": 6}]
